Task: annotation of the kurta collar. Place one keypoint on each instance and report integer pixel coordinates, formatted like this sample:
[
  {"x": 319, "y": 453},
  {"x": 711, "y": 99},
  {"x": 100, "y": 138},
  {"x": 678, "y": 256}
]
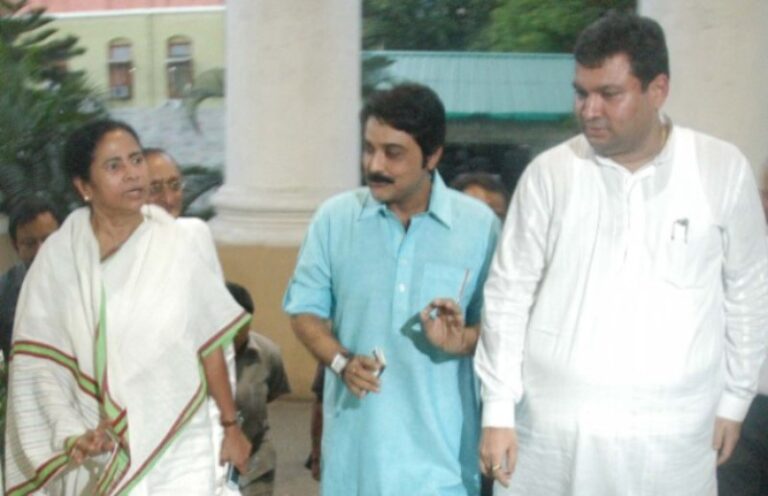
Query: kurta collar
[
  {"x": 664, "y": 156},
  {"x": 439, "y": 203}
]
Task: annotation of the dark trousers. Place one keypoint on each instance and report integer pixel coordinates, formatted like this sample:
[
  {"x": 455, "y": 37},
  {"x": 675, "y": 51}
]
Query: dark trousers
[{"x": 746, "y": 473}]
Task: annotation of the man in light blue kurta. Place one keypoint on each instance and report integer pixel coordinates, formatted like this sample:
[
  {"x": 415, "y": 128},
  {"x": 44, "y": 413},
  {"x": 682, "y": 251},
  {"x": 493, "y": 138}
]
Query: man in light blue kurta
[{"x": 388, "y": 280}]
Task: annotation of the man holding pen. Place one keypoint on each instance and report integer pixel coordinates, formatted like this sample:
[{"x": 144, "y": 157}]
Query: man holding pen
[{"x": 399, "y": 267}]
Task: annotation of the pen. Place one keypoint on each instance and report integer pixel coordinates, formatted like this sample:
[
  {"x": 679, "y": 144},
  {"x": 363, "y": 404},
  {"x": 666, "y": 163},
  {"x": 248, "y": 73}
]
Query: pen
[{"x": 463, "y": 285}]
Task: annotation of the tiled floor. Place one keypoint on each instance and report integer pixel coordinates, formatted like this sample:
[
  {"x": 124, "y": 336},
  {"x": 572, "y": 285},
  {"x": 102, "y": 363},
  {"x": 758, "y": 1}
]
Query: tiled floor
[{"x": 289, "y": 421}]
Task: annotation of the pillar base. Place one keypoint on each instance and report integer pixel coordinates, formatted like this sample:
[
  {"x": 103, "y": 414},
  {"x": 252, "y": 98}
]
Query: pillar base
[{"x": 249, "y": 216}]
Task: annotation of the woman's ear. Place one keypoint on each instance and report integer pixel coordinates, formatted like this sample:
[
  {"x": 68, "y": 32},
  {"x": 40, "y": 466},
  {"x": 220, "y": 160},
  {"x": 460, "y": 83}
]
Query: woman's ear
[{"x": 83, "y": 189}]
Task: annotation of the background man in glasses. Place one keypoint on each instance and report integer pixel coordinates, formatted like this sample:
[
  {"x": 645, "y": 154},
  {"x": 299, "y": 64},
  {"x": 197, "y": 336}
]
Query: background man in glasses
[{"x": 166, "y": 184}]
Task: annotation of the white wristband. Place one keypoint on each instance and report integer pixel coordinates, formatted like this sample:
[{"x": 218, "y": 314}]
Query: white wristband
[{"x": 338, "y": 364}]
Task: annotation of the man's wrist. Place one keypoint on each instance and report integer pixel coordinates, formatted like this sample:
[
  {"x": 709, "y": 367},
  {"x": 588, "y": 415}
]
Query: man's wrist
[
  {"x": 469, "y": 340},
  {"x": 339, "y": 363},
  {"x": 234, "y": 421}
]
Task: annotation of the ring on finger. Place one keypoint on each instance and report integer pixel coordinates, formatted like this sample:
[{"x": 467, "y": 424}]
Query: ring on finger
[{"x": 495, "y": 468}]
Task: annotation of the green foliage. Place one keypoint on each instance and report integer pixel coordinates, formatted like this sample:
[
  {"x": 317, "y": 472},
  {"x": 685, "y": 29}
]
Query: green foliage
[
  {"x": 542, "y": 25},
  {"x": 423, "y": 24},
  {"x": 41, "y": 103}
]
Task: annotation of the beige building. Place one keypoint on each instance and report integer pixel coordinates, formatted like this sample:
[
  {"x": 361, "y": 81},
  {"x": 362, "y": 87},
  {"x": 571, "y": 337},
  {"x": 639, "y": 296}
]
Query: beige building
[
  {"x": 146, "y": 57},
  {"x": 143, "y": 57},
  {"x": 141, "y": 60}
]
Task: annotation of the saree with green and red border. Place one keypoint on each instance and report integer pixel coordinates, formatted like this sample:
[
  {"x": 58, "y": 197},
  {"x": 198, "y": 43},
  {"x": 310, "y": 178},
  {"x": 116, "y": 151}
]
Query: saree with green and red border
[{"x": 118, "y": 341}]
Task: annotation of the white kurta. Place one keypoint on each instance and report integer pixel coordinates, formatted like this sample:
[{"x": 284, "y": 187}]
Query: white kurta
[{"x": 622, "y": 312}]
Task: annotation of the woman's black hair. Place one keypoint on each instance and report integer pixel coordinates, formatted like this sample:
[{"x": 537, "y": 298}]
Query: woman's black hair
[{"x": 82, "y": 143}]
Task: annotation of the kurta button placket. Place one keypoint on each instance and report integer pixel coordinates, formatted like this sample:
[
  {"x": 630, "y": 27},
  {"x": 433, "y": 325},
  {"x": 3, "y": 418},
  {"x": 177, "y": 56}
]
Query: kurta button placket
[{"x": 403, "y": 274}]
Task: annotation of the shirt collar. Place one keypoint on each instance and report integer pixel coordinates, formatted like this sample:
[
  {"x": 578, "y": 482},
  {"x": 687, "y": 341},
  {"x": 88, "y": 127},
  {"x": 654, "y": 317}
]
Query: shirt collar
[
  {"x": 439, "y": 203},
  {"x": 250, "y": 348}
]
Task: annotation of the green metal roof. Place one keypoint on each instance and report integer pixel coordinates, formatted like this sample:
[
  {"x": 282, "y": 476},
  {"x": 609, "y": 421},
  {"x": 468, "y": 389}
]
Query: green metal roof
[{"x": 510, "y": 86}]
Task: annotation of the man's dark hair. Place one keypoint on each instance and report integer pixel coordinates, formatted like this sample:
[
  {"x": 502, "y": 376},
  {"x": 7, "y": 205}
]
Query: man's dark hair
[
  {"x": 26, "y": 210},
  {"x": 488, "y": 182},
  {"x": 411, "y": 108},
  {"x": 241, "y": 296},
  {"x": 640, "y": 38},
  {"x": 82, "y": 143}
]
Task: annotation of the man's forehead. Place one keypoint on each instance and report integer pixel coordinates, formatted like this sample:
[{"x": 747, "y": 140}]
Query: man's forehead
[
  {"x": 612, "y": 70},
  {"x": 380, "y": 132},
  {"x": 162, "y": 165},
  {"x": 45, "y": 218}
]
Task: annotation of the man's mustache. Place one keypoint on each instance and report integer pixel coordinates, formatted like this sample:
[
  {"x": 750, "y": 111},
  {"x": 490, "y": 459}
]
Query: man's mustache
[{"x": 375, "y": 177}]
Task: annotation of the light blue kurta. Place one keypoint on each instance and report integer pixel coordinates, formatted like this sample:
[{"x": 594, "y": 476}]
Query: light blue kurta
[{"x": 359, "y": 267}]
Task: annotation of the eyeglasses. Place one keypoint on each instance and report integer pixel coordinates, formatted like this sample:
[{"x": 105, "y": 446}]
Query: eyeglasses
[{"x": 174, "y": 184}]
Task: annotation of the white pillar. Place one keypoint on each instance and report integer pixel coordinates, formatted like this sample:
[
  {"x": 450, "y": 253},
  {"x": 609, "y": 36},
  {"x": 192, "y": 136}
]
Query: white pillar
[
  {"x": 719, "y": 65},
  {"x": 293, "y": 84}
]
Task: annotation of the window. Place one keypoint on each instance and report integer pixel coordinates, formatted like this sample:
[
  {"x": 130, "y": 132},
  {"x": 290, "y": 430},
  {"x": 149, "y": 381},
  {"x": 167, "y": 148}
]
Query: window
[
  {"x": 120, "y": 70},
  {"x": 179, "y": 66}
]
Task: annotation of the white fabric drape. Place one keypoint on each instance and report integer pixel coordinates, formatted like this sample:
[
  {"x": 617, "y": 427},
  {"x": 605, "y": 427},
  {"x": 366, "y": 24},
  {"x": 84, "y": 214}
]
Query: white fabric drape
[{"x": 163, "y": 307}]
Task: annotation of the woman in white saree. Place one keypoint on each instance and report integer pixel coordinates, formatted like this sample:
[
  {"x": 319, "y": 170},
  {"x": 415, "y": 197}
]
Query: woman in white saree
[{"x": 118, "y": 343}]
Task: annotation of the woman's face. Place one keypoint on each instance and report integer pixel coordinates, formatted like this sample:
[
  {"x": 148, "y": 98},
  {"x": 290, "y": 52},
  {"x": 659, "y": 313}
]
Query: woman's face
[{"x": 119, "y": 177}]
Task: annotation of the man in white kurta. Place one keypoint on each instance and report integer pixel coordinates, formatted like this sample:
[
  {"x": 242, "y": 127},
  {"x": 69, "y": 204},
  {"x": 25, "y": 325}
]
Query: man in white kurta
[{"x": 626, "y": 307}]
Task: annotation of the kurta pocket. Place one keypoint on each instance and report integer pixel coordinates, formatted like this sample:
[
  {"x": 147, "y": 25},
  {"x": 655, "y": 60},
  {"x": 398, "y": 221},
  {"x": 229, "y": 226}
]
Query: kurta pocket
[{"x": 691, "y": 252}]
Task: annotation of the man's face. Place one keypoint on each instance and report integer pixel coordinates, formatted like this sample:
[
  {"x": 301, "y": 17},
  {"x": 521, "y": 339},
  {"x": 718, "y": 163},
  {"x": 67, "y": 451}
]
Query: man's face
[
  {"x": 394, "y": 167},
  {"x": 166, "y": 186},
  {"x": 30, "y": 236},
  {"x": 616, "y": 115},
  {"x": 494, "y": 200}
]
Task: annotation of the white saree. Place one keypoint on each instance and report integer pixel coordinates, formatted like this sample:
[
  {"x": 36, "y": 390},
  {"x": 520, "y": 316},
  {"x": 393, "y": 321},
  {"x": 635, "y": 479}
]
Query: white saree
[{"x": 120, "y": 340}]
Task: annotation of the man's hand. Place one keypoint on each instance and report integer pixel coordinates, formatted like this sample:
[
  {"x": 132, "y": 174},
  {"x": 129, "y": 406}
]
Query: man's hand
[
  {"x": 727, "y": 434},
  {"x": 498, "y": 453},
  {"x": 235, "y": 448},
  {"x": 446, "y": 329},
  {"x": 360, "y": 375}
]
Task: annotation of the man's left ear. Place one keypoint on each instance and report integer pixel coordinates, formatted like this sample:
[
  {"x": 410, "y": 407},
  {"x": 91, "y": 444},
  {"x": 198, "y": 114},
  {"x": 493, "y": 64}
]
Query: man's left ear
[
  {"x": 658, "y": 89},
  {"x": 434, "y": 159}
]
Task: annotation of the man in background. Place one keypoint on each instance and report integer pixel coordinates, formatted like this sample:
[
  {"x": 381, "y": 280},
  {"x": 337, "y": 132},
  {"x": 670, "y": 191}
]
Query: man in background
[
  {"x": 487, "y": 188},
  {"x": 31, "y": 221},
  {"x": 261, "y": 379},
  {"x": 166, "y": 184}
]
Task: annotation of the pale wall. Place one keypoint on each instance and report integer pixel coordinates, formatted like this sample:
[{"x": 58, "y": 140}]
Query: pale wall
[
  {"x": 719, "y": 68},
  {"x": 265, "y": 271}
]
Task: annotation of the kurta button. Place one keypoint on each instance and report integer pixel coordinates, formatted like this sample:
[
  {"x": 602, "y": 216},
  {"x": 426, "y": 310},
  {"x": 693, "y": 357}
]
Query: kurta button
[{"x": 401, "y": 287}]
